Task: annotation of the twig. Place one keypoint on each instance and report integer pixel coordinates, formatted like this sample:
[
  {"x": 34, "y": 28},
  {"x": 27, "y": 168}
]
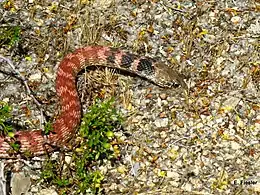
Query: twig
[{"x": 168, "y": 7}]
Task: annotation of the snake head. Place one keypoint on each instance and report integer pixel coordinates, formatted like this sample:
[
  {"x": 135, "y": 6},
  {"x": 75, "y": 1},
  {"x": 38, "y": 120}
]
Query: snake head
[{"x": 167, "y": 77}]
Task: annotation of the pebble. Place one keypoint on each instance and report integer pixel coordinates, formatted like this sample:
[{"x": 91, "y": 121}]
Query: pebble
[
  {"x": 163, "y": 96},
  {"x": 163, "y": 122},
  {"x": 235, "y": 20},
  {"x": 231, "y": 103},
  {"x": 6, "y": 100},
  {"x": 163, "y": 134},
  {"x": 235, "y": 145},
  {"x": 209, "y": 38},
  {"x": 68, "y": 159},
  {"x": 47, "y": 192},
  {"x": 162, "y": 115},
  {"x": 20, "y": 183},
  {"x": 36, "y": 76},
  {"x": 156, "y": 145},
  {"x": 172, "y": 174},
  {"x": 187, "y": 187},
  {"x": 180, "y": 123},
  {"x": 135, "y": 120},
  {"x": 174, "y": 183}
]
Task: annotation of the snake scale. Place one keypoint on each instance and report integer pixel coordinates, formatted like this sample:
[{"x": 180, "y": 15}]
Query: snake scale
[{"x": 68, "y": 121}]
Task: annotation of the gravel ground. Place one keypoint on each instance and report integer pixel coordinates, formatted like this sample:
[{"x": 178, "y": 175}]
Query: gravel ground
[{"x": 201, "y": 141}]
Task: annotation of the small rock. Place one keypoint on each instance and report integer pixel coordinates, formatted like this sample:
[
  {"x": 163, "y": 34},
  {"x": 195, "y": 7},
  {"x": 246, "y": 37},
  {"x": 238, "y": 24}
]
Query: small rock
[
  {"x": 196, "y": 170},
  {"x": 187, "y": 187},
  {"x": 173, "y": 154},
  {"x": 6, "y": 100},
  {"x": 68, "y": 159},
  {"x": 199, "y": 125},
  {"x": 163, "y": 96},
  {"x": 162, "y": 115},
  {"x": 235, "y": 145},
  {"x": 172, "y": 174},
  {"x": 34, "y": 189},
  {"x": 150, "y": 184},
  {"x": 135, "y": 168},
  {"x": 235, "y": 19},
  {"x": 47, "y": 192},
  {"x": 178, "y": 163},
  {"x": 20, "y": 183},
  {"x": 219, "y": 61},
  {"x": 219, "y": 120},
  {"x": 135, "y": 120},
  {"x": 209, "y": 38},
  {"x": 163, "y": 134},
  {"x": 156, "y": 145},
  {"x": 230, "y": 103},
  {"x": 240, "y": 124},
  {"x": 179, "y": 124},
  {"x": 36, "y": 77},
  {"x": 174, "y": 183},
  {"x": 255, "y": 28},
  {"x": 161, "y": 122}
]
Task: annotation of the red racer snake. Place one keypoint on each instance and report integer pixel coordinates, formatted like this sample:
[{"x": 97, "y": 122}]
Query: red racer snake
[{"x": 68, "y": 121}]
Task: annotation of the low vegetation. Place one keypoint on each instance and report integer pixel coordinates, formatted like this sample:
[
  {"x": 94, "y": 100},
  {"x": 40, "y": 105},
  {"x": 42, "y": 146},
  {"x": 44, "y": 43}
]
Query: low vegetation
[{"x": 76, "y": 173}]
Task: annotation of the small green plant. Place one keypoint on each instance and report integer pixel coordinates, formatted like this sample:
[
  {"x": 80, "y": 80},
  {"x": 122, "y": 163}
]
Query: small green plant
[
  {"x": 5, "y": 114},
  {"x": 9, "y": 35},
  {"x": 52, "y": 174},
  {"x": 97, "y": 133},
  {"x": 48, "y": 128},
  {"x": 97, "y": 128},
  {"x": 5, "y": 128}
]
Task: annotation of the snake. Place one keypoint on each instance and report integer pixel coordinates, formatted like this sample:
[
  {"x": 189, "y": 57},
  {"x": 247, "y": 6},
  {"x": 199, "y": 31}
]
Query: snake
[{"x": 68, "y": 120}]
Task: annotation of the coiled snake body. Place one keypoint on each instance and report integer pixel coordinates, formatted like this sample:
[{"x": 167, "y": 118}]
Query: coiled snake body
[{"x": 68, "y": 121}]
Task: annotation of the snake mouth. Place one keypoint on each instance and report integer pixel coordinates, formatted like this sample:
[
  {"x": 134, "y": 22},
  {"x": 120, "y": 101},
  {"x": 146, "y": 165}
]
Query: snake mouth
[{"x": 169, "y": 84}]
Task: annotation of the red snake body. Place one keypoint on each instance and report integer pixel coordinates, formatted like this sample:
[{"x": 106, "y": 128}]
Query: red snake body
[{"x": 68, "y": 121}]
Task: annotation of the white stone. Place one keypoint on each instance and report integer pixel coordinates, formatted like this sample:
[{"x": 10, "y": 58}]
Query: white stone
[
  {"x": 172, "y": 174},
  {"x": 235, "y": 19},
  {"x": 199, "y": 125},
  {"x": 20, "y": 183},
  {"x": 68, "y": 159},
  {"x": 163, "y": 122},
  {"x": 240, "y": 124},
  {"x": 187, "y": 187},
  {"x": 174, "y": 184},
  {"x": 235, "y": 145},
  {"x": 47, "y": 192},
  {"x": 35, "y": 77},
  {"x": 163, "y": 134},
  {"x": 231, "y": 102},
  {"x": 156, "y": 145},
  {"x": 6, "y": 100},
  {"x": 219, "y": 60},
  {"x": 209, "y": 38},
  {"x": 255, "y": 28},
  {"x": 178, "y": 163}
]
